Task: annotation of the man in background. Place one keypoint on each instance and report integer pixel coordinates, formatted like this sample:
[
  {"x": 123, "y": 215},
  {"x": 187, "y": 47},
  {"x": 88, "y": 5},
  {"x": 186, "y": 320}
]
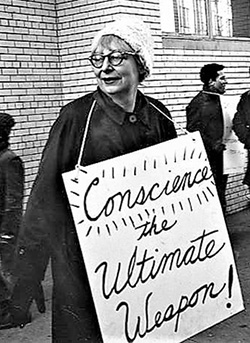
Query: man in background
[
  {"x": 241, "y": 127},
  {"x": 11, "y": 198},
  {"x": 204, "y": 114}
]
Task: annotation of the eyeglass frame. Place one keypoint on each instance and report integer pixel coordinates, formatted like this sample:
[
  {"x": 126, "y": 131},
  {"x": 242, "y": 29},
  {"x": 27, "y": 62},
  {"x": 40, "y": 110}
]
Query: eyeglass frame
[{"x": 124, "y": 55}]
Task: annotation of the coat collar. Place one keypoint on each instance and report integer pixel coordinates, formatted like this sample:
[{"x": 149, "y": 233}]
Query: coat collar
[{"x": 116, "y": 113}]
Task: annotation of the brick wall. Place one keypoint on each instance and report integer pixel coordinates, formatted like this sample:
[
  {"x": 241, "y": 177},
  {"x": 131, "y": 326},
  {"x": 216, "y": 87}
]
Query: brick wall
[
  {"x": 241, "y": 17},
  {"x": 178, "y": 71},
  {"x": 78, "y": 21},
  {"x": 30, "y": 82},
  {"x": 43, "y": 64}
]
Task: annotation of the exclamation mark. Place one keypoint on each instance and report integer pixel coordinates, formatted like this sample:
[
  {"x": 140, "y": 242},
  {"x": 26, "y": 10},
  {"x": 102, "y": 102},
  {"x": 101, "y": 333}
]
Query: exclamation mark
[{"x": 230, "y": 284}]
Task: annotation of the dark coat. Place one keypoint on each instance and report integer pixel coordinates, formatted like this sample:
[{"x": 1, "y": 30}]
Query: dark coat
[
  {"x": 241, "y": 127},
  {"x": 11, "y": 191},
  {"x": 48, "y": 230},
  {"x": 204, "y": 114},
  {"x": 11, "y": 198}
]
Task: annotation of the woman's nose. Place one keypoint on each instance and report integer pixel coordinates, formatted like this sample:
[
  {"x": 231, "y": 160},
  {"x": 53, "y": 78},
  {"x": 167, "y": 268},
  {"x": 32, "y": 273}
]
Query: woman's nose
[{"x": 106, "y": 64}]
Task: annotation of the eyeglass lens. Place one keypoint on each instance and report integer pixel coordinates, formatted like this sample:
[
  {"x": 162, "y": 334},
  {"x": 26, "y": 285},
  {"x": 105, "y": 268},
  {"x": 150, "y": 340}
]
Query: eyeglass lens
[{"x": 114, "y": 58}]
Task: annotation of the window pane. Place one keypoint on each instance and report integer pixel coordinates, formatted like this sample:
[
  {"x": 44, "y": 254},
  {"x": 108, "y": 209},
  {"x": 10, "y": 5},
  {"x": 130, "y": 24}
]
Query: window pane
[
  {"x": 221, "y": 12},
  {"x": 192, "y": 17},
  {"x": 167, "y": 15},
  {"x": 184, "y": 16},
  {"x": 206, "y": 17}
]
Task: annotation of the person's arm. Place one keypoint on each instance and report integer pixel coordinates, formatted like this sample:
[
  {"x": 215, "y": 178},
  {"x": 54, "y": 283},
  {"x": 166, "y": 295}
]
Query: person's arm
[
  {"x": 241, "y": 126},
  {"x": 195, "y": 122},
  {"x": 44, "y": 218},
  {"x": 46, "y": 204},
  {"x": 198, "y": 115},
  {"x": 14, "y": 185}
]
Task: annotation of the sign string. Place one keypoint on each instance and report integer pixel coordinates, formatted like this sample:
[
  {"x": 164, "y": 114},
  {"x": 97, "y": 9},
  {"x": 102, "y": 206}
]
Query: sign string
[
  {"x": 172, "y": 120},
  {"x": 78, "y": 165}
]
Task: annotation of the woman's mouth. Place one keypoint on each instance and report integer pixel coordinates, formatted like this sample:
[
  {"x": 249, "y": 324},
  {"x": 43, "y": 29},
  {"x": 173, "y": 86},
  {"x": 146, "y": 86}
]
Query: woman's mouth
[{"x": 110, "y": 81}]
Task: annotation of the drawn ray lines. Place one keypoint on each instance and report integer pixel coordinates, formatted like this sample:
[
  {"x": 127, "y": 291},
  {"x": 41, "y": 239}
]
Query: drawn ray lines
[
  {"x": 108, "y": 229},
  {"x": 90, "y": 229},
  {"x": 140, "y": 216},
  {"x": 208, "y": 188},
  {"x": 199, "y": 199},
  {"x": 181, "y": 206},
  {"x": 88, "y": 232},
  {"x": 131, "y": 219},
  {"x": 173, "y": 209},
  {"x": 83, "y": 171},
  {"x": 190, "y": 205},
  {"x": 184, "y": 155},
  {"x": 205, "y": 195},
  {"x": 115, "y": 225},
  {"x": 77, "y": 194},
  {"x": 192, "y": 154},
  {"x": 73, "y": 205}
]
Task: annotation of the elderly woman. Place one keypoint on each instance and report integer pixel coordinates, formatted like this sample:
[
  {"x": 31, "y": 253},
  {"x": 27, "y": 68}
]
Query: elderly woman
[{"x": 122, "y": 120}]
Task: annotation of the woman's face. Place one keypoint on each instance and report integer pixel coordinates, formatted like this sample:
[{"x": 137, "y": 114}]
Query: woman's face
[{"x": 120, "y": 80}]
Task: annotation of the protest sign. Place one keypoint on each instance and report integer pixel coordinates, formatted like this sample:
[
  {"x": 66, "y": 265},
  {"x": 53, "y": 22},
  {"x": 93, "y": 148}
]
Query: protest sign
[
  {"x": 155, "y": 243},
  {"x": 235, "y": 154}
]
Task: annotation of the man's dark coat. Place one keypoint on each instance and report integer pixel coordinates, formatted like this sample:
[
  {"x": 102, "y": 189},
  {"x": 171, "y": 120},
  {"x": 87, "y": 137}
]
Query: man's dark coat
[
  {"x": 11, "y": 198},
  {"x": 204, "y": 114},
  {"x": 241, "y": 126}
]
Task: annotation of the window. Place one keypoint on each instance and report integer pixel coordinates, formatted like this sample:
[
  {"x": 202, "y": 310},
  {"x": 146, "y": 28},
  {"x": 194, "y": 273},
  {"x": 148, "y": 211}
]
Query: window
[
  {"x": 199, "y": 17},
  {"x": 190, "y": 16},
  {"x": 221, "y": 16}
]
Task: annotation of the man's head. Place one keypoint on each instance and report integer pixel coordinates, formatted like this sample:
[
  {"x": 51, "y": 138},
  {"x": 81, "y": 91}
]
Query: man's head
[
  {"x": 213, "y": 77},
  {"x": 6, "y": 123}
]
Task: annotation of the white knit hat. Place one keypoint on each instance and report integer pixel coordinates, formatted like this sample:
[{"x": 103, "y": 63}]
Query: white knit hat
[{"x": 134, "y": 32}]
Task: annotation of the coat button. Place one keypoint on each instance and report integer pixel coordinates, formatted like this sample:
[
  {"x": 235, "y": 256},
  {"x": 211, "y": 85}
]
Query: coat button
[
  {"x": 21, "y": 251},
  {"x": 132, "y": 118}
]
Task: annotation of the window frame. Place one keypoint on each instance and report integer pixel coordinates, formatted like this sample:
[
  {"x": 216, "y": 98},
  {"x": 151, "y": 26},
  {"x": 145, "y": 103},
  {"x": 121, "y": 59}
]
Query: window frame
[{"x": 210, "y": 29}]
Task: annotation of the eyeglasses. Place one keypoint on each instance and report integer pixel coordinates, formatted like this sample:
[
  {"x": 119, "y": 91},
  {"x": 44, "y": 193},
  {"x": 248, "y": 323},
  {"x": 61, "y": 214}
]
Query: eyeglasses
[{"x": 115, "y": 58}]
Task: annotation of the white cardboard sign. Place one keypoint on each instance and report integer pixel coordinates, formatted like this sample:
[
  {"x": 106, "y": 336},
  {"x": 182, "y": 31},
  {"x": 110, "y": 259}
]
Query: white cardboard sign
[
  {"x": 155, "y": 243},
  {"x": 235, "y": 154}
]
